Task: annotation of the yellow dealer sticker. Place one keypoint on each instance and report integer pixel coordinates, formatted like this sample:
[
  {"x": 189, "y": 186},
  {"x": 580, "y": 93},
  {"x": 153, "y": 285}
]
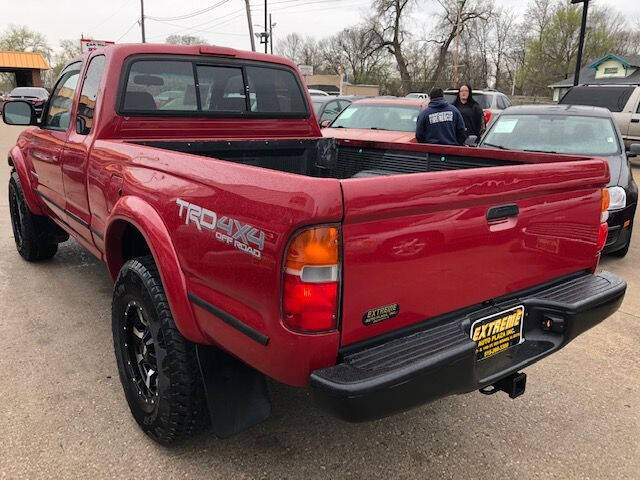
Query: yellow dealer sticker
[{"x": 496, "y": 333}]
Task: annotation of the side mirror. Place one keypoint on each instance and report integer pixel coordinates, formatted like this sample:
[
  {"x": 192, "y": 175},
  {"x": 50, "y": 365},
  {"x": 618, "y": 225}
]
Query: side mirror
[
  {"x": 325, "y": 123},
  {"x": 19, "y": 112},
  {"x": 471, "y": 141},
  {"x": 634, "y": 150}
]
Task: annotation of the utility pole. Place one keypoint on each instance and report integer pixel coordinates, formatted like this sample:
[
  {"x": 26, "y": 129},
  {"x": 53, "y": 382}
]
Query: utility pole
[
  {"x": 583, "y": 29},
  {"x": 266, "y": 33},
  {"x": 142, "y": 20},
  {"x": 456, "y": 59},
  {"x": 271, "y": 25},
  {"x": 253, "y": 42}
]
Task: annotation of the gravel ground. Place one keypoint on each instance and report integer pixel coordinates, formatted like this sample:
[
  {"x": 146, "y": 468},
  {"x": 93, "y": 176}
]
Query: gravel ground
[{"x": 63, "y": 413}]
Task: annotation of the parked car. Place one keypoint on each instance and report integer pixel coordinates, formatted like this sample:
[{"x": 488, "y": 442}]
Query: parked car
[
  {"x": 492, "y": 102},
  {"x": 384, "y": 119},
  {"x": 328, "y": 108},
  {"x": 242, "y": 244},
  {"x": 36, "y": 96},
  {"x": 318, "y": 93},
  {"x": 423, "y": 96},
  {"x": 622, "y": 100},
  {"x": 576, "y": 130}
]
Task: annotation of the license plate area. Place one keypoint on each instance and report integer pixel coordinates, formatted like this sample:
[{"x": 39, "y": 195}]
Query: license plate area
[{"x": 498, "y": 332}]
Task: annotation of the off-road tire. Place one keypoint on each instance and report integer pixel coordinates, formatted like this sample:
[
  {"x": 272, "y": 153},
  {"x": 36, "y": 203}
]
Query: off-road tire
[
  {"x": 36, "y": 237},
  {"x": 177, "y": 409}
]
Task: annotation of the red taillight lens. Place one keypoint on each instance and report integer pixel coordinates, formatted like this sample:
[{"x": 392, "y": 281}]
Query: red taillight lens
[
  {"x": 602, "y": 236},
  {"x": 311, "y": 280},
  {"x": 310, "y": 307},
  {"x": 487, "y": 116}
]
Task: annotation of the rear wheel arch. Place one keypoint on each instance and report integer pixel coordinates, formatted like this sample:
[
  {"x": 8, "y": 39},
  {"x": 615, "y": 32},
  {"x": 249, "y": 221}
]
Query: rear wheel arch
[
  {"x": 124, "y": 241},
  {"x": 136, "y": 229}
]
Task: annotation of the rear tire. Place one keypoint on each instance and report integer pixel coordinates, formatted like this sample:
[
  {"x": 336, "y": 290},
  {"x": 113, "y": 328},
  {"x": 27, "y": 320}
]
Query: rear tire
[
  {"x": 157, "y": 366},
  {"x": 36, "y": 237}
]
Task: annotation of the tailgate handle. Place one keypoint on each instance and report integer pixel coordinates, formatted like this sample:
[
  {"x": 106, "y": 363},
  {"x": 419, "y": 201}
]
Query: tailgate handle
[
  {"x": 505, "y": 211},
  {"x": 635, "y": 120}
]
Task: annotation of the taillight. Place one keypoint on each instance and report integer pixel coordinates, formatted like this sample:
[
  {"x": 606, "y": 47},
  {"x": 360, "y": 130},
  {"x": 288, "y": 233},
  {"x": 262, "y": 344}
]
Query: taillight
[
  {"x": 312, "y": 280},
  {"x": 603, "y": 231},
  {"x": 487, "y": 116}
]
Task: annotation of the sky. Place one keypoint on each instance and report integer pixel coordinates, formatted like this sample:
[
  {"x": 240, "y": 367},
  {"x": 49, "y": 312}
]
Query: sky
[{"x": 226, "y": 24}]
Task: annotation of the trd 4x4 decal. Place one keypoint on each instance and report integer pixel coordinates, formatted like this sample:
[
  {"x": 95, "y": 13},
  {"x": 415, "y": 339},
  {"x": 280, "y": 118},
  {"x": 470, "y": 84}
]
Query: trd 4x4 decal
[{"x": 243, "y": 237}]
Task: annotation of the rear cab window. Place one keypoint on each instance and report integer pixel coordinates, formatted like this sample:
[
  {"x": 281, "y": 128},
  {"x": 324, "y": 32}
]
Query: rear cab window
[
  {"x": 199, "y": 86},
  {"x": 613, "y": 98}
]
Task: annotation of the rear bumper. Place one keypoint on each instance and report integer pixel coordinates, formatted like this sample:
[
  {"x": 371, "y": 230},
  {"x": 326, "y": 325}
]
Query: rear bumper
[{"x": 440, "y": 360}]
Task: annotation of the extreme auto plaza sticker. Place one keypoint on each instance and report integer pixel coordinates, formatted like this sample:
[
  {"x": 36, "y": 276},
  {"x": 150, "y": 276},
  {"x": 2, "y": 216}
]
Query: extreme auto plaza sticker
[
  {"x": 380, "y": 314},
  {"x": 497, "y": 332}
]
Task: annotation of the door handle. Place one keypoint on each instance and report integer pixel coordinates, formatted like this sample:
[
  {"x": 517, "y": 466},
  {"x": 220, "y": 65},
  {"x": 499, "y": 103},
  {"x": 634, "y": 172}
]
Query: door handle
[
  {"x": 635, "y": 120},
  {"x": 504, "y": 211}
]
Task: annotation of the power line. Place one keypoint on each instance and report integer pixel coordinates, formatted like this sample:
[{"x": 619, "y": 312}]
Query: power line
[
  {"x": 190, "y": 15},
  {"x": 320, "y": 9},
  {"x": 128, "y": 30},
  {"x": 126, "y": 2},
  {"x": 236, "y": 13},
  {"x": 194, "y": 30}
]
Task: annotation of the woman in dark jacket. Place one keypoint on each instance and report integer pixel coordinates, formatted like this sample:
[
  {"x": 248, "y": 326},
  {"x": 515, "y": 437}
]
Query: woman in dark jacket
[{"x": 470, "y": 109}]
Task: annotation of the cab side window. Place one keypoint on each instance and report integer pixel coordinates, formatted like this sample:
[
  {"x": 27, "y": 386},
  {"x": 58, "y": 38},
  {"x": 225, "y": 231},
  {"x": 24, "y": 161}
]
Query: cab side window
[
  {"x": 89, "y": 95},
  {"x": 61, "y": 102}
]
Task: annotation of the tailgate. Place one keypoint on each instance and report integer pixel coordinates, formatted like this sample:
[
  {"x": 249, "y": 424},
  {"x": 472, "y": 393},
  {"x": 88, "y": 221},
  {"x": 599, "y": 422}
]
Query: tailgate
[{"x": 422, "y": 245}]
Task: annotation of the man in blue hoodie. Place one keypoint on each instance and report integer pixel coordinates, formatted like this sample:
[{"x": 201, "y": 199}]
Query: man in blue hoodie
[{"x": 441, "y": 122}]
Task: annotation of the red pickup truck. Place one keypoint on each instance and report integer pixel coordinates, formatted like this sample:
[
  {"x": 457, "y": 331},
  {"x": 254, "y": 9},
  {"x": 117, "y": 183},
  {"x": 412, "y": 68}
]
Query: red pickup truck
[{"x": 243, "y": 245}]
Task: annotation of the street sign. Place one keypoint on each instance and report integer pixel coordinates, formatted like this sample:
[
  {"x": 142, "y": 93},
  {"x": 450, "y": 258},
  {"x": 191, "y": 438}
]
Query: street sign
[
  {"x": 306, "y": 70},
  {"x": 89, "y": 45}
]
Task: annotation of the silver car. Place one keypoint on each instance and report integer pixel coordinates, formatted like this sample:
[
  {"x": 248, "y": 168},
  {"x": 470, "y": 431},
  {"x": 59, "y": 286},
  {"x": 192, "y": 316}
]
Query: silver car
[{"x": 492, "y": 102}]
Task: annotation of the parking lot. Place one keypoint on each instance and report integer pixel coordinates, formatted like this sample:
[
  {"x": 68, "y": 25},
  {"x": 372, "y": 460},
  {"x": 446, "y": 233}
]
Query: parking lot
[{"x": 63, "y": 412}]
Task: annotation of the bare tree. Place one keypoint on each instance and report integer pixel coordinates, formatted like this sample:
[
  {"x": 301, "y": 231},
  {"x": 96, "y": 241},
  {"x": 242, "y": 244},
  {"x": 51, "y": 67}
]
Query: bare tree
[
  {"x": 359, "y": 53},
  {"x": 539, "y": 13},
  {"x": 388, "y": 28},
  {"x": 477, "y": 45},
  {"x": 501, "y": 27},
  {"x": 185, "y": 40},
  {"x": 454, "y": 17},
  {"x": 290, "y": 47},
  {"x": 302, "y": 50}
]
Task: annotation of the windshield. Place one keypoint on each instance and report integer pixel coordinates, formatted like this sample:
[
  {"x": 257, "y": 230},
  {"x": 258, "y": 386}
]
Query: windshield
[
  {"x": 29, "y": 92},
  {"x": 401, "y": 118},
  {"x": 317, "y": 106},
  {"x": 483, "y": 100},
  {"x": 554, "y": 133}
]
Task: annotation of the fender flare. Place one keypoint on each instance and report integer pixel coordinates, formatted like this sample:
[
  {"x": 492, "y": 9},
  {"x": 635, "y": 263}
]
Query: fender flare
[
  {"x": 140, "y": 214},
  {"x": 18, "y": 162}
]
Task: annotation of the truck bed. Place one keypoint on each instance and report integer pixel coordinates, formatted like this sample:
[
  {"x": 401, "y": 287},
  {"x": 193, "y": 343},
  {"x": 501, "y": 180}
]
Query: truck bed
[
  {"x": 431, "y": 242},
  {"x": 324, "y": 158}
]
